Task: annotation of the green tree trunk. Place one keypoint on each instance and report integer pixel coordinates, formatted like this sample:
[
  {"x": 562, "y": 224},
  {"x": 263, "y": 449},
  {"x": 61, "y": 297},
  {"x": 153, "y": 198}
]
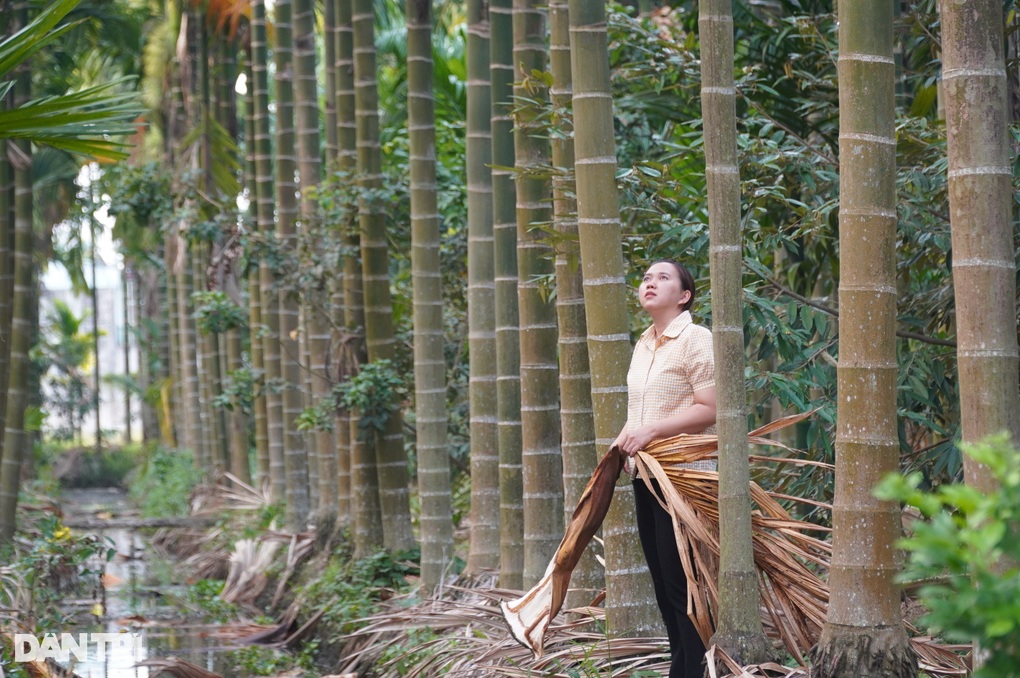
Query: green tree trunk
[
  {"x": 508, "y": 359},
  {"x": 483, "y": 552},
  {"x": 630, "y": 601},
  {"x": 980, "y": 203},
  {"x": 738, "y": 621},
  {"x": 315, "y": 299},
  {"x": 258, "y": 412},
  {"x": 576, "y": 417},
  {"x": 15, "y": 438},
  {"x": 429, "y": 363},
  {"x": 541, "y": 461},
  {"x": 390, "y": 460},
  {"x": 265, "y": 210},
  {"x": 351, "y": 349},
  {"x": 7, "y": 245},
  {"x": 863, "y": 634},
  {"x": 294, "y": 453}
]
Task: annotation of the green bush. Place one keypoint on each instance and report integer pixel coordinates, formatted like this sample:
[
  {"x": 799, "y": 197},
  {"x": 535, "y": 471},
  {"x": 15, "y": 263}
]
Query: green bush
[
  {"x": 164, "y": 483},
  {"x": 967, "y": 550}
]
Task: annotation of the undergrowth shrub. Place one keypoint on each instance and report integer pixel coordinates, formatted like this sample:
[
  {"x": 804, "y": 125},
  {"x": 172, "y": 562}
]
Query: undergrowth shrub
[{"x": 967, "y": 551}]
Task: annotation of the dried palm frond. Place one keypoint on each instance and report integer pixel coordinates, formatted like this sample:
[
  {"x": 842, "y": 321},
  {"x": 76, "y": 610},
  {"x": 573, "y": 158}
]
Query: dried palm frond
[{"x": 248, "y": 566}]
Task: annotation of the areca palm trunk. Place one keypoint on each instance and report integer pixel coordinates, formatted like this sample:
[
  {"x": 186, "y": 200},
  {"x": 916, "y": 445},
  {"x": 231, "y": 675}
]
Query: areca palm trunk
[
  {"x": 541, "y": 463},
  {"x": 863, "y": 633},
  {"x": 352, "y": 318},
  {"x": 14, "y": 436},
  {"x": 6, "y": 276},
  {"x": 576, "y": 419},
  {"x": 630, "y": 600},
  {"x": 316, "y": 300},
  {"x": 264, "y": 210},
  {"x": 508, "y": 359},
  {"x": 261, "y": 424},
  {"x": 294, "y": 454},
  {"x": 738, "y": 628},
  {"x": 483, "y": 551},
  {"x": 429, "y": 363},
  {"x": 188, "y": 365},
  {"x": 390, "y": 460},
  {"x": 980, "y": 201}
]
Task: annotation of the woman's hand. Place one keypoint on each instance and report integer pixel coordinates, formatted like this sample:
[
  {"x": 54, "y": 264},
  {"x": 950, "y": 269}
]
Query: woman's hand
[{"x": 630, "y": 441}]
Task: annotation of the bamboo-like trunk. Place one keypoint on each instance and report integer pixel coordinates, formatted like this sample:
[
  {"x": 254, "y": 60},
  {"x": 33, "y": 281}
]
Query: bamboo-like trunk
[
  {"x": 630, "y": 601},
  {"x": 541, "y": 461},
  {"x": 315, "y": 301},
  {"x": 22, "y": 301},
  {"x": 738, "y": 623},
  {"x": 352, "y": 319},
  {"x": 508, "y": 359},
  {"x": 265, "y": 209},
  {"x": 391, "y": 463},
  {"x": 863, "y": 633},
  {"x": 7, "y": 245},
  {"x": 975, "y": 91},
  {"x": 576, "y": 417},
  {"x": 429, "y": 362},
  {"x": 294, "y": 453},
  {"x": 483, "y": 551}
]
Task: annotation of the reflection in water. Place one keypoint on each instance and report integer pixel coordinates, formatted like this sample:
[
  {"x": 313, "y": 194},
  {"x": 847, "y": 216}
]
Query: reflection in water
[{"x": 130, "y": 605}]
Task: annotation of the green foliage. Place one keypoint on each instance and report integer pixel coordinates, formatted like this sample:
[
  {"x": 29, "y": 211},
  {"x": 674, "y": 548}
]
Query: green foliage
[
  {"x": 350, "y": 590},
  {"x": 204, "y": 595},
  {"x": 216, "y": 313},
  {"x": 51, "y": 563},
  {"x": 65, "y": 354},
  {"x": 966, "y": 549},
  {"x": 374, "y": 393},
  {"x": 164, "y": 483},
  {"x": 269, "y": 661}
]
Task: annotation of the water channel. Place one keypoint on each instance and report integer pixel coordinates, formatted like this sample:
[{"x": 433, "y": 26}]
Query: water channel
[{"x": 143, "y": 594}]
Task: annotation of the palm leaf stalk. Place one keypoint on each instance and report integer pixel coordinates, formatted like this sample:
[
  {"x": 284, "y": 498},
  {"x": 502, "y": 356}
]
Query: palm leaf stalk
[{"x": 692, "y": 500}]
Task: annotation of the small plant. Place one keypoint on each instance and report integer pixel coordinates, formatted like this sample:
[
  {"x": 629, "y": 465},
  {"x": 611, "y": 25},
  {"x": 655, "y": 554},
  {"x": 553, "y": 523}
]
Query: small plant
[
  {"x": 351, "y": 589},
  {"x": 204, "y": 594},
  {"x": 165, "y": 482},
  {"x": 374, "y": 393},
  {"x": 968, "y": 551}
]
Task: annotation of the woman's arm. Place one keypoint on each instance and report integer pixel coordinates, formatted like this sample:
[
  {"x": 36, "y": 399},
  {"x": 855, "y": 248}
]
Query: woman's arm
[{"x": 694, "y": 419}]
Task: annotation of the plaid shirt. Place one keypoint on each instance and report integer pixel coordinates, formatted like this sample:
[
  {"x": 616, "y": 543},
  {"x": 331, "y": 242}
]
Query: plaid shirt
[{"x": 665, "y": 372}]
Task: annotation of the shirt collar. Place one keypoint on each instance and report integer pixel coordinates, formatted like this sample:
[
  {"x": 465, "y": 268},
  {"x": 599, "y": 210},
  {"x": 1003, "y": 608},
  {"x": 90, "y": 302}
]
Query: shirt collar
[{"x": 673, "y": 330}]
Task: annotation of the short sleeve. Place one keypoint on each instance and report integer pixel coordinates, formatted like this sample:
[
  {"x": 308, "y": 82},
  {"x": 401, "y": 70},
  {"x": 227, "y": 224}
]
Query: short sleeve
[{"x": 700, "y": 358}]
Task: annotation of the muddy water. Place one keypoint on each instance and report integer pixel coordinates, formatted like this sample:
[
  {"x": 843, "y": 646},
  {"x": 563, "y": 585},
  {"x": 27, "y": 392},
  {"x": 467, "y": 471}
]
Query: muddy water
[{"x": 135, "y": 602}]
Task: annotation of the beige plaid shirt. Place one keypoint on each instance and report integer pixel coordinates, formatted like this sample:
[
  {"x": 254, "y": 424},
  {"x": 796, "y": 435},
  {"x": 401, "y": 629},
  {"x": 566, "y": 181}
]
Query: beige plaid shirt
[{"x": 665, "y": 372}]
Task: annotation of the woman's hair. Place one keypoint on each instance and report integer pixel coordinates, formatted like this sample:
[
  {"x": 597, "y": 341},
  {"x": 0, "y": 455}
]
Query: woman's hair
[{"x": 685, "y": 277}]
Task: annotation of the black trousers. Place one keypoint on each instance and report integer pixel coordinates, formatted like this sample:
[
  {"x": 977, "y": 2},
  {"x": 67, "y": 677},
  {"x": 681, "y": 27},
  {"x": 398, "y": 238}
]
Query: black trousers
[{"x": 658, "y": 541}]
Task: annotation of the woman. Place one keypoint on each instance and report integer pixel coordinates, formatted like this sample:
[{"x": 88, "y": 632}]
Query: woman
[{"x": 671, "y": 390}]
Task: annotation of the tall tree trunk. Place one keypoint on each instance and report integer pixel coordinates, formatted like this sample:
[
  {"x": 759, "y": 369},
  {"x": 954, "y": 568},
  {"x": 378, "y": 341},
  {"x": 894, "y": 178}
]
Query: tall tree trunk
[
  {"x": 351, "y": 349},
  {"x": 980, "y": 203},
  {"x": 576, "y": 418},
  {"x": 738, "y": 621},
  {"x": 265, "y": 209},
  {"x": 483, "y": 551},
  {"x": 508, "y": 358},
  {"x": 14, "y": 435},
  {"x": 863, "y": 634},
  {"x": 390, "y": 459},
  {"x": 541, "y": 463},
  {"x": 252, "y": 145},
  {"x": 7, "y": 247},
  {"x": 429, "y": 362},
  {"x": 316, "y": 300},
  {"x": 630, "y": 600},
  {"x": 294, "y": 453}
]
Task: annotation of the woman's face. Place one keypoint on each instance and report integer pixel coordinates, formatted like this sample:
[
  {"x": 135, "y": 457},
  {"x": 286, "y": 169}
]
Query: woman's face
[{"x": 660, "y": 290}]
